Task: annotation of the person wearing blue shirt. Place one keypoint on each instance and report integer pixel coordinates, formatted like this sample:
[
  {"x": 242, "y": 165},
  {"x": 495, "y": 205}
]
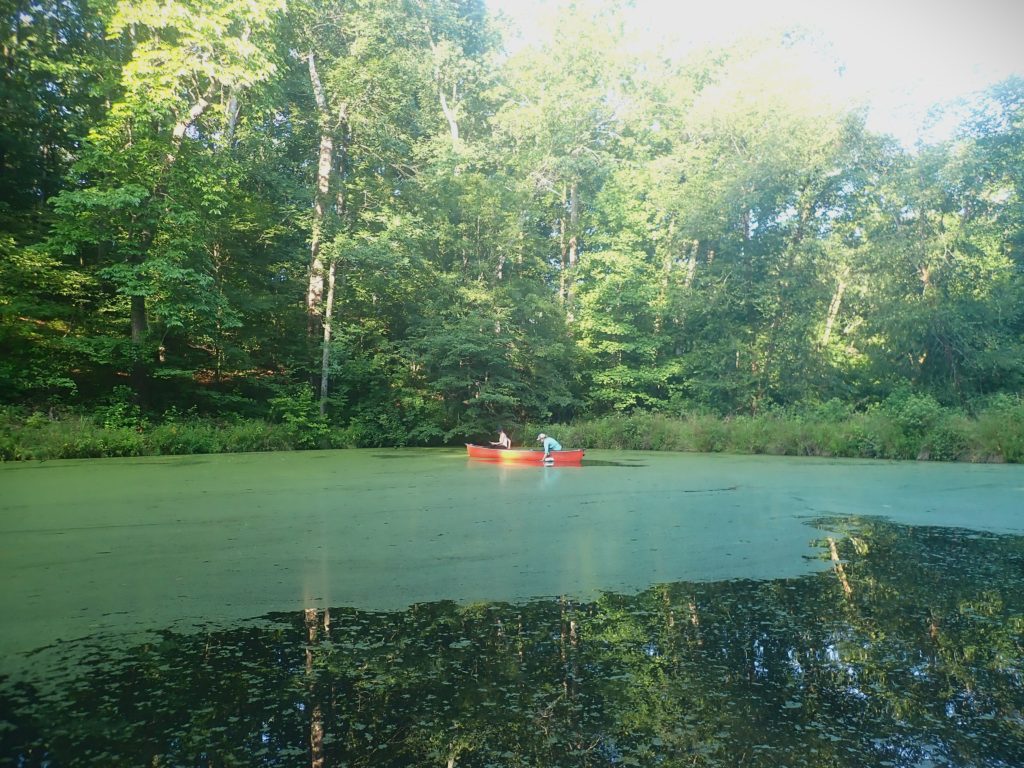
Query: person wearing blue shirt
[{"x": 550, "y": 444}]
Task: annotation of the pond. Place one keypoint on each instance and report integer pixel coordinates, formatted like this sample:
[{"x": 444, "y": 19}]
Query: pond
[{"x": 412, "y": 607}]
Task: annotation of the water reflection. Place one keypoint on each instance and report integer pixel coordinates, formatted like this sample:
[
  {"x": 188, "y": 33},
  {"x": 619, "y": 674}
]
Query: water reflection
[{"x": 907, "y": 652}]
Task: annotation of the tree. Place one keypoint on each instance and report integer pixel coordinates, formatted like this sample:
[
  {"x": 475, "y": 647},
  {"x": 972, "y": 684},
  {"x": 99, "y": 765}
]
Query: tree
[
  {"x": 560, "y": 120},
  {"x": 942, "y": 310},
  {"x": 138, "y": 196}
]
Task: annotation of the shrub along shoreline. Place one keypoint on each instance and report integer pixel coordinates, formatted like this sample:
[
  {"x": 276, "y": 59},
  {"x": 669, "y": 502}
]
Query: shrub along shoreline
[
  {"x": 904, "y": 427},
  {"x": 988, "y": 438}
]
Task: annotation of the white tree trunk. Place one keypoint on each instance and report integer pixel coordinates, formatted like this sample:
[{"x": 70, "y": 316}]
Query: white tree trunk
[
  {"x": 325, "y": 361},
  {"x": 833, "y": 307},
  {"x": 315, "y": 287}
]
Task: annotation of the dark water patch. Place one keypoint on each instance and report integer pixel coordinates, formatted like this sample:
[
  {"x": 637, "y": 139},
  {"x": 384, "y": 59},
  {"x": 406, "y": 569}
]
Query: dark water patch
[
  {"x": 602, "y": 463},
  {"x": 191, "y": 460},
  {"x": 908, "y": 655},
  {"x": 51, "y": 465},
  {"x": 402, "y": 455}
]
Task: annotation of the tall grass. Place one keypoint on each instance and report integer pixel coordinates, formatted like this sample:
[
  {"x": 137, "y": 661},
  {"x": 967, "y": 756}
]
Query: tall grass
[
  {"x": 915, "y": 429},
  {"x": 80, "y": 437},
  {"x": 905, "y": 426}
]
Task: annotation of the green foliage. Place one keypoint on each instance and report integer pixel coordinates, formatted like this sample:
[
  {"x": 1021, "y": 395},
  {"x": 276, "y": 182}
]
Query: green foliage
[
  {"x": 994, "y": 435},
  {"x": 914, "y": 413},
  {"x": 35, "y": 435},
  {"x": 203, "y": 436},
  {"x": 32, "y": 331},
  {"x": 909, "y": 427},
  {"x": 479, "y": 365},
  {"x": 947, "y": 440},
  {"x": 74, "y": 437},
  {"x": 571, "y": 232},
  {"x": 298, "y": 410},
  {"x": 121, "y": 412},
  {"x": 999, "y": 430}
]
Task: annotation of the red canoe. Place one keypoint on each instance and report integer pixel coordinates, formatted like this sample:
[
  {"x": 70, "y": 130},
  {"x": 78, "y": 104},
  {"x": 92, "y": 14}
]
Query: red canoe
[{"x": 522, "y": 456}]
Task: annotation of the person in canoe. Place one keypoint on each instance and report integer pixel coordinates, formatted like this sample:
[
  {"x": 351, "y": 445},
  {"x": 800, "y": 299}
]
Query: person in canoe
[
  {"x": 503, "y": 440},
  {"x": 549, "y": 443}
]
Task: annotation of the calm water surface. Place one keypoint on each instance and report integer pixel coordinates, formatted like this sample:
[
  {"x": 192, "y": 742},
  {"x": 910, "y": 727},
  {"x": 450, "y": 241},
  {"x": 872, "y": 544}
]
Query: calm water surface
[{"x": 415, "y": 608}]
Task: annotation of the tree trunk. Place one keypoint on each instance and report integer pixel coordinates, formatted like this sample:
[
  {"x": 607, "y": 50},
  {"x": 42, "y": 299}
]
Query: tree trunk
[
  {"x": 178, "y": 134},
  {"x": 450, "y": 110},
  {"x": 449, "y": 115},
  {"x": 568, "y": 246},
  {"x": 668, "y": 262},
  {"x": 316, "y": 716},
  {"x": 232, "y": 108},
  {"x": 325, "y": 361},
  {"x": 563, "y": 250},
  {"x": 833, "y": 307},
  {"x": 319, "y": 313},
  {"x": 315, "y": 287},
  {"x": 139, "y": 326},
  {"x": 139, "y": 377},
  {"x": 840, "y": 570},
  {"x": 691, "y": 263},
  {"x": 574, "y": 256},
  {"x": 574, "y": 223},
  {"x": 231, "y": 111}
]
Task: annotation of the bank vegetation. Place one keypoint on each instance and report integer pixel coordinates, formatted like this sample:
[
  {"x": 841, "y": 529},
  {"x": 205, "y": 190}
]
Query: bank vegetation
[{"x": 242, "y": 225}]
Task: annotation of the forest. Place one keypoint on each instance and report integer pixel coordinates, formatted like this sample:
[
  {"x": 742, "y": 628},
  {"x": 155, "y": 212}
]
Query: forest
[{"x": 244, "y": 224}]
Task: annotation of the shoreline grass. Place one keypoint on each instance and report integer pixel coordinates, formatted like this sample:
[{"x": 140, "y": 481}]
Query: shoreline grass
[
  {"x": 915, "y": 430},
  {"x": 909, "y": 428}
]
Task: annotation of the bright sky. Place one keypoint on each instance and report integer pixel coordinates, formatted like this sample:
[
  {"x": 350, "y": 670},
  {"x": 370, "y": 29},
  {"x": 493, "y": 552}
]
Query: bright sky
[{"x": 901, "y": 56}]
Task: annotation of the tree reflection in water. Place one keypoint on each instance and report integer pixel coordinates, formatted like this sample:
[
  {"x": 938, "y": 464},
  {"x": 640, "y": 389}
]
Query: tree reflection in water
[{"x": 913, "y": 657}]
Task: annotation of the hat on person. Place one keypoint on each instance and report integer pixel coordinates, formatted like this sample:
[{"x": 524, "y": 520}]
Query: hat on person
[{"x": 541, "y": 436}]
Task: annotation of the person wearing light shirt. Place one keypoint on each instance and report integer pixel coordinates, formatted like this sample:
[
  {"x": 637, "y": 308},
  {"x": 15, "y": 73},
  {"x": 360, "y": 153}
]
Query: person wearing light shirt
[{"x": 549, "y": 443}]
